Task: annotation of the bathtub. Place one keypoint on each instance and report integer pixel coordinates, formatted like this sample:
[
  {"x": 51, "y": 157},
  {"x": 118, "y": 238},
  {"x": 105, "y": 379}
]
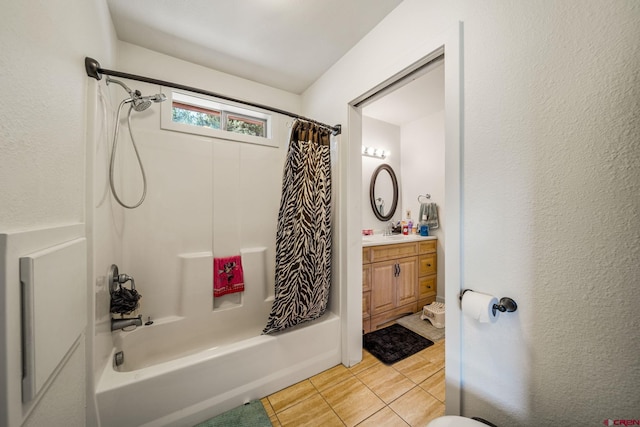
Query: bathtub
[
  {"x": 194, "y": 387},
  {"x": 188, "y": 367}
]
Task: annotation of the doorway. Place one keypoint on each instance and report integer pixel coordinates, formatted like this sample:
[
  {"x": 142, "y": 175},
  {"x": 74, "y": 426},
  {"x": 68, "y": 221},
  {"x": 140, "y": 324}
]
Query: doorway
[
  {"x": 406, "y": 123},
  {"x": 449, "y": 45}
]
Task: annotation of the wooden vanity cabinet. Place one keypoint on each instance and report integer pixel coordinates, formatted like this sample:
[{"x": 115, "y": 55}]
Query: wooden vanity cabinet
[
  {"x": 427, "y": 273},
  {"x": 396, "y": 280},
  {"x": 366, "y": 290}
]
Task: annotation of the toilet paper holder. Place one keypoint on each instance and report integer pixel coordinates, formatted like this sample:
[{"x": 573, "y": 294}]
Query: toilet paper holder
[{"x": 506, "y": 304}]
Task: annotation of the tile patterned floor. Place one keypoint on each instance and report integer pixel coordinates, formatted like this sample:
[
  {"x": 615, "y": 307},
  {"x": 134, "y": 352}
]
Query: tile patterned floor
[{"x": 408, "y": 393}]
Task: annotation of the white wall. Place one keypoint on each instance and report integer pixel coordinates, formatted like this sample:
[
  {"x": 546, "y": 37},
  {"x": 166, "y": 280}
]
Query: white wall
[
  {"x": 550, "y": 185},
  {"x": 423, "y": 172},
  {"x": 382, "y": 135},
  {"x": 46, "y": 139}
]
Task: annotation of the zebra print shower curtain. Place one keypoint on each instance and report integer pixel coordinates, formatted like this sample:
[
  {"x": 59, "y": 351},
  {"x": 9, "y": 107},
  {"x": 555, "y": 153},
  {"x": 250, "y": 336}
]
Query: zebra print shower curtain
[{"x": 303, "y": 239}]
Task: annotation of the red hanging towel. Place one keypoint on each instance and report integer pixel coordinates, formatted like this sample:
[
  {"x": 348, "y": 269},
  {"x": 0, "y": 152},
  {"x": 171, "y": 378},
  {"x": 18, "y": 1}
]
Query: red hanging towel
[{"x": 227, "y": 276}]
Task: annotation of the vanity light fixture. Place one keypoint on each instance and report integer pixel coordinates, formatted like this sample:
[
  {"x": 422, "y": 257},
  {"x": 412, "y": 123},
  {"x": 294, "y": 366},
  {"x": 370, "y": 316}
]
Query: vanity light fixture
[{"x": 374, "y": 152}]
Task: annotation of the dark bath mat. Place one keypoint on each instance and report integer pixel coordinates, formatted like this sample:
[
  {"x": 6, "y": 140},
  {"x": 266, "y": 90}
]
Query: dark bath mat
[{"x": 394, "y": 343}]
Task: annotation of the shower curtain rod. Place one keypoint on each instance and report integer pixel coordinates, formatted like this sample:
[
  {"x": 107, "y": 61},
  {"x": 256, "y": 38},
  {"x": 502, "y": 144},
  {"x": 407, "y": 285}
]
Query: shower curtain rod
[{"x": 94, "y": 70}]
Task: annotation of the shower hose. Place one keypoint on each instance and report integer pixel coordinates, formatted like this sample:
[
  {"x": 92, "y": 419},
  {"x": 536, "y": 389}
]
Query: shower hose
[{"x": 113, "y": 157}]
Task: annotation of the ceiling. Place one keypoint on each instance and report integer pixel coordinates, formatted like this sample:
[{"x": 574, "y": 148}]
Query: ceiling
[
  {"x": 286, "y": 44},
  {"x": 419, "y": 98}
]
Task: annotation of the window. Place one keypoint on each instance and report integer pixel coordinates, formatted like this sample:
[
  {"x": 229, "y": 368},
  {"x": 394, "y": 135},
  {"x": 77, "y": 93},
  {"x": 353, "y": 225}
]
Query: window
[
  {"x": 245, "y": 124},
  {"x": 196, "y": 116},
  {"x": 208, "y": 116}
]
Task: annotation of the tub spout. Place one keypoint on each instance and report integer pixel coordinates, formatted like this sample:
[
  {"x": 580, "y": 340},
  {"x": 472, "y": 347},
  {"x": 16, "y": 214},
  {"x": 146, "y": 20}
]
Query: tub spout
[{"x": 125, "y": 322}]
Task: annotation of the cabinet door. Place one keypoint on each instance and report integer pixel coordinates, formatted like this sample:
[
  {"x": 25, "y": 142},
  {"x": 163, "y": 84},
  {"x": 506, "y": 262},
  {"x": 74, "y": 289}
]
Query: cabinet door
[
  {"x": 406, "y": 289},
  {"x": 383, "y": 286}
]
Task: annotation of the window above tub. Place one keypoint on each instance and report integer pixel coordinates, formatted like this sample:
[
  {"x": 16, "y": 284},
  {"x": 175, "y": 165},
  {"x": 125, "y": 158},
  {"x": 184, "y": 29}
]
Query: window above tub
[{"x": 208, "y": 116}]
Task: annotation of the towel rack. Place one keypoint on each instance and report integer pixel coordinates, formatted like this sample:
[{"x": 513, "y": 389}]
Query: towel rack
[{"x": 425, "y": 196}]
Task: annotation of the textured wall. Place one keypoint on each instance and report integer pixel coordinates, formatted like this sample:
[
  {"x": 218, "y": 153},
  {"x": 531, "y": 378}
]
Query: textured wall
[
  {"x": 550, "y": 186},
  {"x": 43, "y": 129}
]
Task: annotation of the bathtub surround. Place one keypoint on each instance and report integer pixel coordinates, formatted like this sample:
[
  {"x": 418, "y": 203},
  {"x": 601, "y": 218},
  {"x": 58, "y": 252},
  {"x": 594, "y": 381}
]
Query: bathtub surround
[
  {"x": 168, "y": 245},
  {"x": 303, "y": 242},
  {"x": 199, "y": 365}
]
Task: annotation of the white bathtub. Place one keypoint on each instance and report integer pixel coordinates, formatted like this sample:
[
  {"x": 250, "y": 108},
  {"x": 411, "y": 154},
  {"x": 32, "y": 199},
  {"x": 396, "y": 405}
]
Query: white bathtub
[
  {"x": 200, "y": 385},
  {"x": 186, "y": 368}
]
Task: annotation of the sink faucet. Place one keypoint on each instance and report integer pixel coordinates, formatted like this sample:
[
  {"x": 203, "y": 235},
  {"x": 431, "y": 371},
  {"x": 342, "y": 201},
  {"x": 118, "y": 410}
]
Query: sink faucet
[
  {"x": 388, "y": 229},
  {"x": 125, "y": 322}
]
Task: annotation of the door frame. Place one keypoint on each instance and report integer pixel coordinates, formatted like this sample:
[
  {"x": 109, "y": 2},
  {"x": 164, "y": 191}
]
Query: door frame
[{"x": 451, "y": 44}]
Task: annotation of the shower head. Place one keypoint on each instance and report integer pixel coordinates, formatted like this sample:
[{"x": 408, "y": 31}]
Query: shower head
[{"x": 141, "y": 103}]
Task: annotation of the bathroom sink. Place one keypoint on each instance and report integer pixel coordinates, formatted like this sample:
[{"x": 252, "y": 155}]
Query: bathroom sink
[{"x": 379, "y": 239}]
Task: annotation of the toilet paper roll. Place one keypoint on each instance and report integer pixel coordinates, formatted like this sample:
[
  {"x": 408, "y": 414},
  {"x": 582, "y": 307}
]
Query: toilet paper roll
[{"x": 479, "y": 306}]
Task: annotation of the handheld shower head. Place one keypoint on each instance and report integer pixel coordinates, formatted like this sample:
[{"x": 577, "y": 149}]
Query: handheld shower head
[{"x": 158, "y": 97}]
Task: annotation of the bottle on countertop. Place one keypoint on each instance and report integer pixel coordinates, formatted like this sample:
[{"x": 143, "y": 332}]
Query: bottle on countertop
[
  {"x": 424, "y": 227},
  {"x": 409, "y": 223}
]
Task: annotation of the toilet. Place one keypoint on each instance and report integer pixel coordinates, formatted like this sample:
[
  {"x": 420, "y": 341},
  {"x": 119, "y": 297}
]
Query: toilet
[{"x": 455, "y": 421}]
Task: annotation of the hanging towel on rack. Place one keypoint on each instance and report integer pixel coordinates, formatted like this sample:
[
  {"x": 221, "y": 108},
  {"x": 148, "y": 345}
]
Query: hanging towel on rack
[
  {"x": 431, "y": 211},
  {"x": 423, "y": 211},
  {"x": 227, "y": 275}
]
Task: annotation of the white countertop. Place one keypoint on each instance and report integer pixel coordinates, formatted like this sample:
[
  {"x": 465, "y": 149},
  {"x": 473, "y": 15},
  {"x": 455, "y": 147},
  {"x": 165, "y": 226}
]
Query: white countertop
[{"x": 379, "y": 239}]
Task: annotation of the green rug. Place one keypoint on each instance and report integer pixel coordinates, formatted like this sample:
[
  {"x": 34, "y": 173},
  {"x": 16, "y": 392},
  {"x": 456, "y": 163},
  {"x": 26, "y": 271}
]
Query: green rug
[{"x": 251, "y": 414}]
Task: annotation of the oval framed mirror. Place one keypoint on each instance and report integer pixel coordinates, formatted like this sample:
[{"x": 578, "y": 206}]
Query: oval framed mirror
[{"x": 383, "y": 192}]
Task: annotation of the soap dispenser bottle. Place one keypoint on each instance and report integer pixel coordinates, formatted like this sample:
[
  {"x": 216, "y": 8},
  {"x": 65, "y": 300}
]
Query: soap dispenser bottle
[{"x": 424, "y": 227}]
